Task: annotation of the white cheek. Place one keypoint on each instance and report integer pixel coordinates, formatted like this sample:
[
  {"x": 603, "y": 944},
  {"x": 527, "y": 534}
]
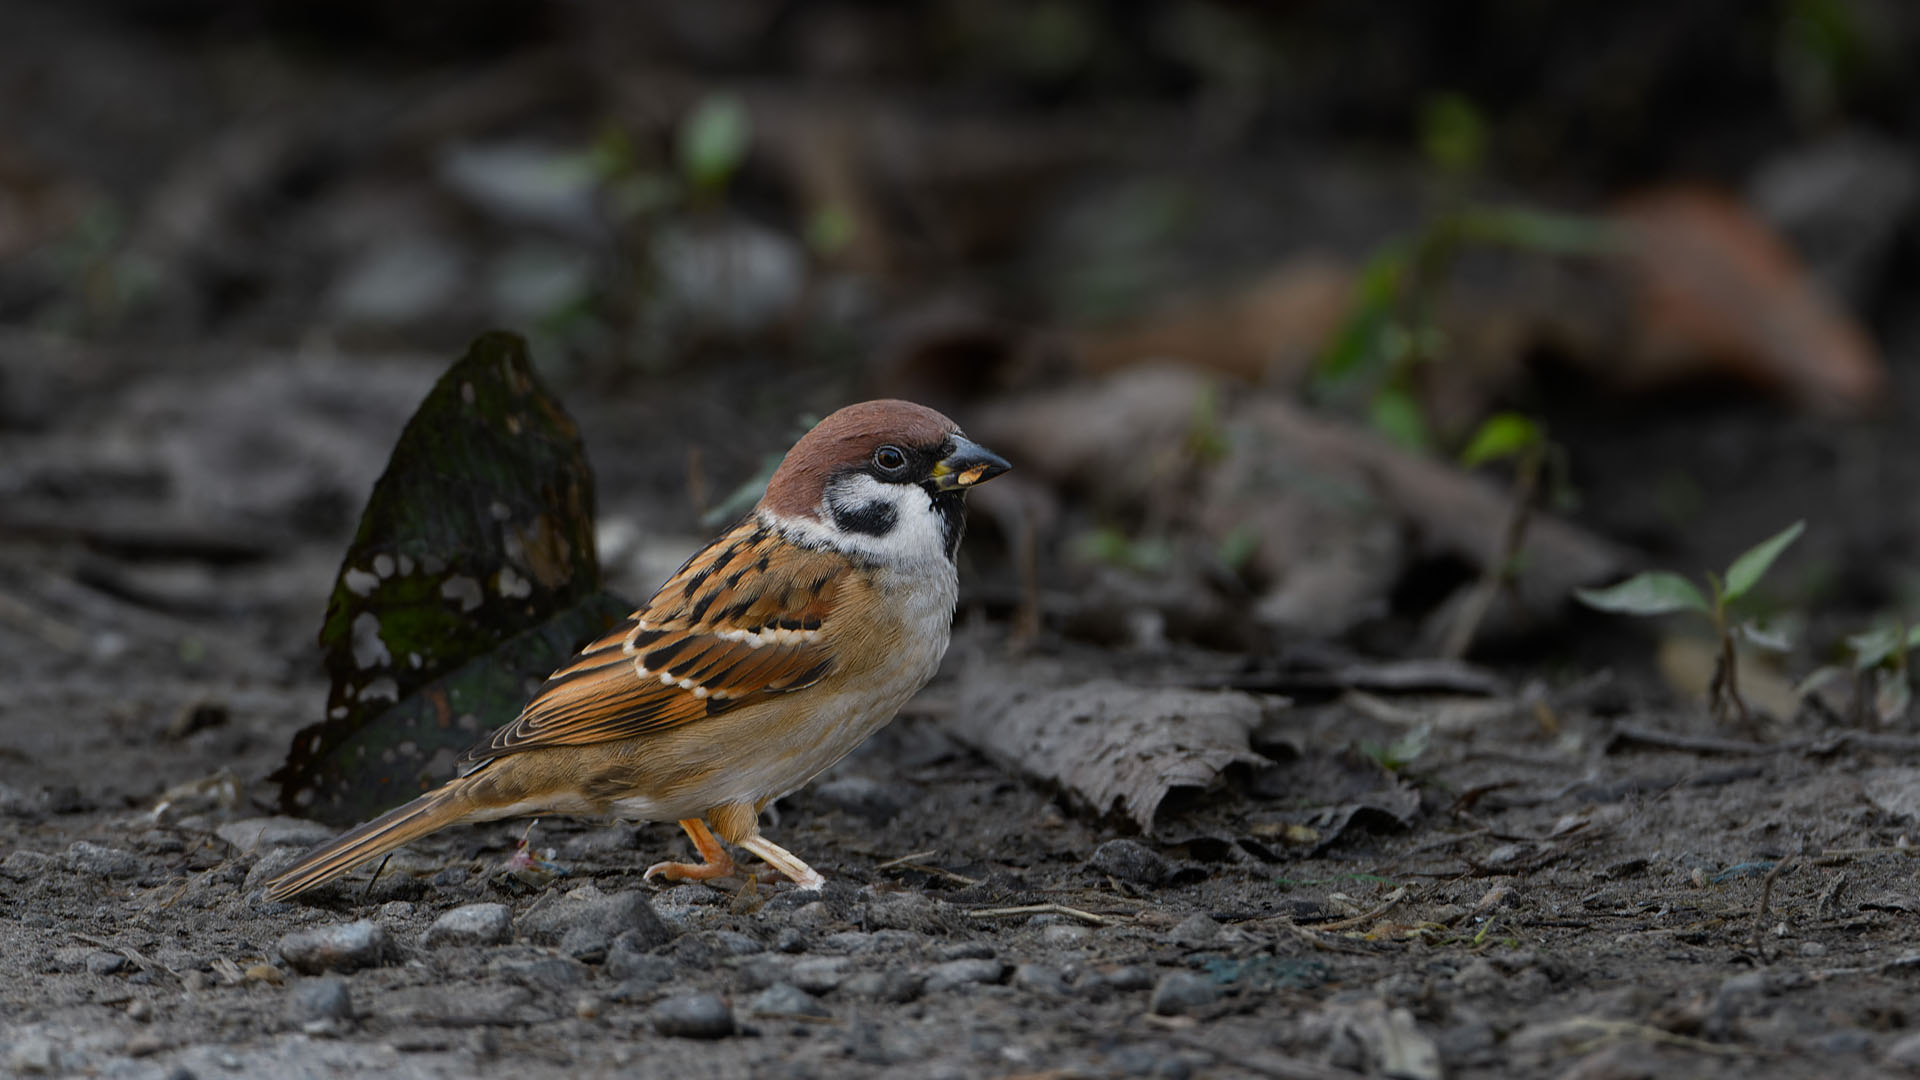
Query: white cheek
[{"x": 918, "y": 533}]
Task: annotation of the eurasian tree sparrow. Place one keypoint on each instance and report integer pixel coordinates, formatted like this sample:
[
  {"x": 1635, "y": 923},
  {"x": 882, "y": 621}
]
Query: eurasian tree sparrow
[{"x": 776, "y": 649}]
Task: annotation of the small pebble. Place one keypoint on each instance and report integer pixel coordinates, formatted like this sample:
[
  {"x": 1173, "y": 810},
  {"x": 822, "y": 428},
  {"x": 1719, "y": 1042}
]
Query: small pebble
[
  {"x": 694, "y": 1016},
  {"x": 319, "y": 999},
  {"x": 34, "y": 1055},
  {"x": 1905, "y": 1051},
  {"x": 106, "y": 963},
  {"x": 587, "y": 944},
  {"x": 472, "y": 924},
  {"x": 1130, "y": 860},
  {"x": 102, "y": 861},
  {"x": 1129, "y": 978},
  {"x": 818, "y": 974},
  {"x": 786, "y": 999},
  {"x": 958, "y": 973},
  {"x": 1062, "y": 935},
  {"x": 736, "y": 943},
  {"x": 1181, "y": 992},
  {"x": 628, "y": 961},
  {"x": 967, "y": 950},
  {"x": 611, "y": 915},
  {"x": 1195, "y": 929},
  {"x": 24, "y": 865},
  {"x": 397, "y": 910},
  {"x": 140, "y": 1010},
  {"x": 790, "y": 941},
  {"x": 345, "y": 947},
  {"x": 1040, "y": 979},
  {"x": 896, "y": 985}
]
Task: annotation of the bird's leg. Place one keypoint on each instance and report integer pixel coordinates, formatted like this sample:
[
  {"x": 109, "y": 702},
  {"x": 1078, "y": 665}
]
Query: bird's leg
[
  {"x": 717, "y": 862},
  {"x": 739, "y": 823},
  {"x": 784, "y": 861}
]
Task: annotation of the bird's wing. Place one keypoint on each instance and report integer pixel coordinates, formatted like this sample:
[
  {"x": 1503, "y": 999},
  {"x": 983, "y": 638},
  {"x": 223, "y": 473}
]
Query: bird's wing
[{"x": 744, "y": 618}]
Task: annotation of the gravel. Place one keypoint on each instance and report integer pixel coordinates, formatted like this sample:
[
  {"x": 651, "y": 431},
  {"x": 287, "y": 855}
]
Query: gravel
[
  {"x": 344, "y": 947},
  {"x": 473, "y": 924}
]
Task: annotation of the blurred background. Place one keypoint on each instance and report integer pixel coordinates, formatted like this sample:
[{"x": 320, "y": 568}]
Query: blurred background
[{"x": 1236, "y": 285}]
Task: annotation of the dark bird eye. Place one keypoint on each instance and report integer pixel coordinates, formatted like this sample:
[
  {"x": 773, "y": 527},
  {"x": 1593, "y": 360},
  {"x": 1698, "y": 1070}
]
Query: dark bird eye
[{"x": 889, "y": 459}]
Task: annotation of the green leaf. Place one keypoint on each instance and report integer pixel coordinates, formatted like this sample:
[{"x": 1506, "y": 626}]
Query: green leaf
[
  {"x": 1751, "y": 566},
  {"x": 479, "y": 532},
  {"x": 1501, "y": 435},
  {"x": 1771, "y": 638},
  {"x": 1453, "y": 133},
  {"x": 1356, "y": 351},
  {"x": 713, "y": 141},
  {"x": 1656, "y": 592},
  {"x": 1873, "y": 646},
  {"x": 1395, "y": 414}
]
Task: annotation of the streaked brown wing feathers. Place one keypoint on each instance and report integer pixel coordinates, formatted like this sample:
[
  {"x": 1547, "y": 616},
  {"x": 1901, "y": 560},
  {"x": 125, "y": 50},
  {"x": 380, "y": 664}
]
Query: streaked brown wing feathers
[{"x": 734, "y": 624}]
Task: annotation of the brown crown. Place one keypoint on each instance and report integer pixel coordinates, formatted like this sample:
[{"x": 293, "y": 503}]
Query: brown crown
[{"x": 849, "y": 437}]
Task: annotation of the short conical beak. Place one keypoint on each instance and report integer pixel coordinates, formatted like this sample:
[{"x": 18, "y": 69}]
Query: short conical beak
[{"x": 970, "y": 464}]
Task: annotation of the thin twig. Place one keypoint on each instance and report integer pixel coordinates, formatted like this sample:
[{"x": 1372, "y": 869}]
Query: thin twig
[
  {"x": 1766, "y": 900},
  {"x": 1393, "y": 900},
  {"x": 1040, "y": 909}
]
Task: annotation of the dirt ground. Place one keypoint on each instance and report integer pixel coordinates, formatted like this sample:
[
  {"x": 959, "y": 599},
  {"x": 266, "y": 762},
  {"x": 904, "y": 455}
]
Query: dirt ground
[{"x": 229, "y": 272}]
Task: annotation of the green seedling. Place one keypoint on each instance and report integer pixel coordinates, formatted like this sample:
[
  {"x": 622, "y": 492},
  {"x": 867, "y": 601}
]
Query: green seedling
[
  {"x": 1881, "y": 668},
  {"x": 1662, "y": 592},
  {"x": 1539, "y": 466}
]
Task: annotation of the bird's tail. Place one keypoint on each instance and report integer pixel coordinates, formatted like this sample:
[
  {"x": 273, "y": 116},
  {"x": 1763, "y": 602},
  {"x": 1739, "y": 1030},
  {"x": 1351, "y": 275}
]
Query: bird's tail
[{"x": 434, "y": 810}]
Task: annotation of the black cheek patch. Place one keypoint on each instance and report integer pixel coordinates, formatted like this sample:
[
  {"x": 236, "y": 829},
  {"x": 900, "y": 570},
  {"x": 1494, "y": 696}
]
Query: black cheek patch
[{"x": 869, "y": 519}]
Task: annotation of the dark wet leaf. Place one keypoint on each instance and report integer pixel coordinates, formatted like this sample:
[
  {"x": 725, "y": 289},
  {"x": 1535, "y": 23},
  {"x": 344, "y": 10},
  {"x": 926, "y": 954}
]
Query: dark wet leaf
[{"x": 473, "y": 572}]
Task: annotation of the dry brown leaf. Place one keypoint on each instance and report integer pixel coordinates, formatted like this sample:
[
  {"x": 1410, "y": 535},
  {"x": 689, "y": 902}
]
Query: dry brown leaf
[
  {"x": 1272, "y": 328},
  {"x": 1336, "y": 514},
  {"x": 1111, "y": 745},
  {"x": 1719, "y": 290}
]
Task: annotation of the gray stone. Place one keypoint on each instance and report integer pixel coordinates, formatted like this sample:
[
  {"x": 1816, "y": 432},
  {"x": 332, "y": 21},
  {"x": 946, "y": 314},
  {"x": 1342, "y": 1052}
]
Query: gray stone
[
  {"x": 102, "y": 861},
  {"x": 895, "y": 985},
  {"x": 1064, "y": 935},
  {"x": 818, "y": 974},
  {"x": 269, "y": 866},
  {"x": 1040, "y": 979},
  {"x": 955, "y": 974},
  {"x": 257, "y": 834},
  {"x": 346, "y": 947},
  {"x": 319, "y": 999},
  {"x": 694, "y": 1016},
  {"x": 1195, "y": 929},
  {"x": 1905, "y": 1052},
  {"x": 34, "y": 1055},
  {"x": 612, "y": 915},
  {"x": 24, "y": 865},
  {"x": 786, "y": 999},
  {"x": 587, "y": 944},
  {"x": 967, "y": 950},
  {"x": 1181, "y": 992},
  {"x": 791, "y": 940},
  {"x": 911, "y": 911},
  {"x": 1130, "y": 860},
  {"x": 1129, "y": 978},
  {"x": 543, "y": 973},
  {"x": 1844, "y": 1041},
  {"x": 472, "y": 924},
  {"x": 105, "y": 963},
  {"x": 629, "y": 961},
  {"x": 735, "y": 943}
]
